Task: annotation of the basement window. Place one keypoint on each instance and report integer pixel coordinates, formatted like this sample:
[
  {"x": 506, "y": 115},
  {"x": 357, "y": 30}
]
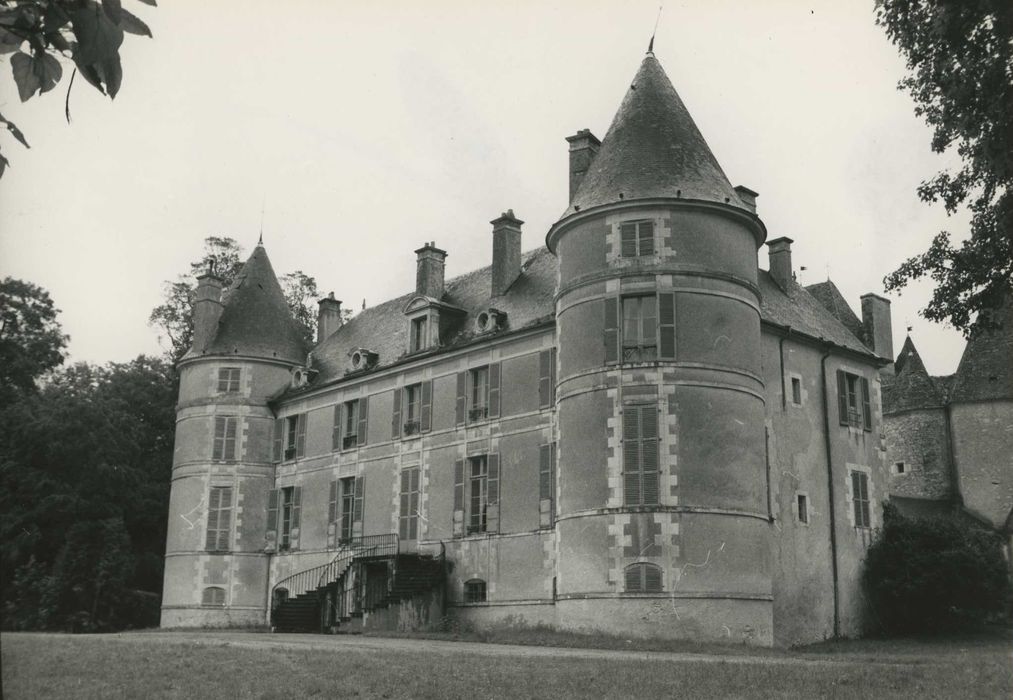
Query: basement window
[{"x": 474, "y": 591}]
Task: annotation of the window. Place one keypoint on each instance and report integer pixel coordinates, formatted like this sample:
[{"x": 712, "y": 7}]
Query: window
[
  {"x": 213, "y": 597},
  {"x": 853, "y": 400},
  {"x": 637, "y": 238},
  {"x": 291, "y": 434},
  {"x": 474, "y": 591},
  {"x": 350, "y": 435},
  {"x": 347, "y": 487},
  {"x": 899, "y": 468},
  {"x": 796, "y": 391},
  {"x": 290, "y": 437},
  {"x": 228, "y": 380},
  {"x": 478, "y": 396},
  {"x": 412, "y": 407},
  {"x": 224, "y": 445},
  {"x": 802, "y": 508},
  {"x": 419, "y": 340},
  {"x": 219, "y": 519},
  {"x": 546, "y": 485},
  {"x": 860, "y": 498},
  {"x": 640, "y": 455},
  {"x": 643, "y": 578},
  {"x": 477, "y": 495},
  {"x": 288, "y": 514},
  {"x": 409, "y": 521},
  {"x": 640, "y": 333}
]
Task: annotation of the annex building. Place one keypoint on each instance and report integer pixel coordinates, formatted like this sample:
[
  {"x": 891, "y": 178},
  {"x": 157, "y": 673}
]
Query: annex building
[{"x": 631, "y": 428}]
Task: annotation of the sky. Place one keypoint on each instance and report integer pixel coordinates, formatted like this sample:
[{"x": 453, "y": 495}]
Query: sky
[{"x": 351, "y": 133}]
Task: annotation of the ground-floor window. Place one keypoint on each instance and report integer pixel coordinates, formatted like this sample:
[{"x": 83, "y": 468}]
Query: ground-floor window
[
  {"x": 643, "y": 578},
  {"x": 474, "y": 591},
  {"x": 213, "y": 596}
]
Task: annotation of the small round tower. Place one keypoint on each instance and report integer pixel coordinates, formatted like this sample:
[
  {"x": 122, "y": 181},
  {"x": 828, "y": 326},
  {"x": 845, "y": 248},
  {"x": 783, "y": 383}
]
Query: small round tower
[
  {"x": 245, "y": 347},
  {"x": 662, "y": 518}
]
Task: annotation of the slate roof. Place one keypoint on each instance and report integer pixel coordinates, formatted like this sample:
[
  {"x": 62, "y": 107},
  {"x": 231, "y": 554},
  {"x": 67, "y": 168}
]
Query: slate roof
[
  {"x": 256, "y": 320},
  {"x": 831, "y": 298},
  {"x": 530, "y": 302},
  {"x": 911, "y": 387},
  {"x": 652, "y": 149},
  {"x": 985, "y": 371}
]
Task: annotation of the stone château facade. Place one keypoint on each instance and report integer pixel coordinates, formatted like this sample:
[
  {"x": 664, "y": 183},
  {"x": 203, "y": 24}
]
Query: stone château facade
[{"x": 631, "y": 429}]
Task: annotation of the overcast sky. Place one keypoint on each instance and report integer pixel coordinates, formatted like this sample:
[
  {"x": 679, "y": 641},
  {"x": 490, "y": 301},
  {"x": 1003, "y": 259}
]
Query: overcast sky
[{"x": 365, "y": 129}]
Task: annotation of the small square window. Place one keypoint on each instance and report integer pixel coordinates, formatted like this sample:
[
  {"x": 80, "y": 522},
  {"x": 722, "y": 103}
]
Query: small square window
[
  {"x": 796, "y": 391},
  {"x": 228, "y": 380},
  {"x": 899, "y": 468},
  {"x": 637, "y": 239},
  {"x": 802, "y": 504},
  {"x": 474, "y": 591}
]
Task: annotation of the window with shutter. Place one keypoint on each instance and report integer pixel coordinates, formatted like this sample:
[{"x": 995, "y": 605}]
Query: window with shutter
[
  {"x": 219, "y": 530},
  {"x": 546, "y": 485},
  {"x": 347, "y": 509},
  {"x": 666, "y": 325},
  {"x": 360, "y": 497},
  {"x": 271, "y": 534},
  {"x": 350, "y": 427},
  {"x": 611, "y": 329},
  {"x": 228, "y": 380},
  {"x": 213, "y": 597},
  {"x": 640, "y": 328},
  {"x": 224, "y": 443},
  {"x": 426, "y": 408},
  {"x": 643, "y": 578},
  {"x": 287, "y": 512},
  {"x": 640, "y": 455},
  {"x": 336, "y": 428},
  {"x": 332, "y": 515},
  {"x": 860, "y": 499},
  {"x": 477, "y": 497},
  {"x": 637, "y": 239},
  {"x": 458, "y": 517},
  {"x": 409, "y": 515},
  {"x": 412, "y": 413},
  {"x": 478, "y": 394},
  {"x": 853, "y": 400},
  {"x": 363, "y": 416},
  {"x": 547, "y": 378}
]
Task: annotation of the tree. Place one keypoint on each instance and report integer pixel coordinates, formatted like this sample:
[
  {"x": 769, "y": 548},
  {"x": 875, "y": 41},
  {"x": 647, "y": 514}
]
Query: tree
[
  {"x": 31, "y": 340},
  {"x": 38, "y": 33},
  {"x": 960, "y": 55},
  {"x": 174, "y": 316}
]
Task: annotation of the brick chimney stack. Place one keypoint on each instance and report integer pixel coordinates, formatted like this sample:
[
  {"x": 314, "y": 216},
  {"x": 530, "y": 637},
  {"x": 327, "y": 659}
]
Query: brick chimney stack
[
  {"x": 207, "y": 307},
  {"x": 429, "y": 274},
  {"x": 583, "y": 148},
  {"x": 878, "y": 324},
  {"x": 328, "y": 318},
  {"x": 779, "y": 255},
  {"x": 506, "y": 251}
]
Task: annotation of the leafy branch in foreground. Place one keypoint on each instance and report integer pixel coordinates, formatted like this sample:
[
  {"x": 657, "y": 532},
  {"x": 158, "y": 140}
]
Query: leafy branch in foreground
[{"x": 38, "y": 33}]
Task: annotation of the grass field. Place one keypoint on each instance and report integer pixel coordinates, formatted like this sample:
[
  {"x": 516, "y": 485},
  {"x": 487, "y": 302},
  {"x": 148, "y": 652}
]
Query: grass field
[{"x": 224, "y": 665}]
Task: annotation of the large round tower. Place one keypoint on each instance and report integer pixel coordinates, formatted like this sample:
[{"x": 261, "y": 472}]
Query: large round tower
[
  {"x": 244, "y": 351},
  {"x": 662, "y": 524}
]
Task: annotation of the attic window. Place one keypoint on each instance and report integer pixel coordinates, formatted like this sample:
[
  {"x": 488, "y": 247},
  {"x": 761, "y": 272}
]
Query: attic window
[
  {"x": 419, "y": 338},
  {"x": 482, "y": 321}
]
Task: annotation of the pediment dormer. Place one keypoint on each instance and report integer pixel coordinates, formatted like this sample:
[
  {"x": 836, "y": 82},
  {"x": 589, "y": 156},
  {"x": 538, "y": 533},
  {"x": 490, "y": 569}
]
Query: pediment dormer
[{"x": 428, "y": 320}]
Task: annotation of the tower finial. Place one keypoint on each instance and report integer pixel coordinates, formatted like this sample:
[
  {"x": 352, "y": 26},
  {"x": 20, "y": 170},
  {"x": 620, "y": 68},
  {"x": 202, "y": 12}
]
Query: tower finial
[
  {"x": 650, "y": 46},
  {"x": 260, "y": 241}
]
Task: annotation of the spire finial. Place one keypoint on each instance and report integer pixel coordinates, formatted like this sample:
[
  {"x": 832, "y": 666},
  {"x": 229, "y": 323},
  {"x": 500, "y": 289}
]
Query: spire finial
[
  {"x": 260, "y": 241},
  {"x": 650, "y": 46}
]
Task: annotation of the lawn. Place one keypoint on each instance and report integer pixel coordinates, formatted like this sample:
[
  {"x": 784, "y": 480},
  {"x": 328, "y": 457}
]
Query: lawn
[{"x": 220, "y": 665}]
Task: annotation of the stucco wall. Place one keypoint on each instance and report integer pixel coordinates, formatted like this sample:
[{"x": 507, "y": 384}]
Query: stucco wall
[{"x": 983, "y": 450}]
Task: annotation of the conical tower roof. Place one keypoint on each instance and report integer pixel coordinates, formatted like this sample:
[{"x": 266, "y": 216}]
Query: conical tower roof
[
  {"x": 652, "y": 149},
  {"x": 986, "y": 367},
  {"x": 911, "y": 388},
  {"x": 256, "y": 320}
]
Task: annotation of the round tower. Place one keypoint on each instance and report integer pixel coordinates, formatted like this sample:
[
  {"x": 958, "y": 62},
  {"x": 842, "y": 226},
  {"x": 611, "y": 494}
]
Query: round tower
[
  {"x": 245, "y": 347},
  {"x": 662, "y": 521}
]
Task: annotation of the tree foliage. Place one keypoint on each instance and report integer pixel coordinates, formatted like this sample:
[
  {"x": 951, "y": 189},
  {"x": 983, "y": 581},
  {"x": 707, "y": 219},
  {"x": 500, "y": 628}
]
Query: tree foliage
[
  {"x": 89, "y": 33},
  {"x": 31, "y": 340},
  {"x": 174, "y": 316},
  {"x": 934, "y": 575},
  {"x": 960, "y": 57},
  {"x": 85, "y": 464}
]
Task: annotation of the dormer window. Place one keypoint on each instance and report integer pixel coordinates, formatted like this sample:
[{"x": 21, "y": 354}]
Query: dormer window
[
  {"x": 490, "y": 320},
  {"x": 637, "y": 239},
  {"x": 419, "y": 334},
  {"x": 362, "y": 359}
]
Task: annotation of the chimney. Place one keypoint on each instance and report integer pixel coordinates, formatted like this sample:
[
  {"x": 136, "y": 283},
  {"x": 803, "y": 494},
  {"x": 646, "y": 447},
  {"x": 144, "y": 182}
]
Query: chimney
[
  {"x": 583, "y": 148},
  {"x": 779, "y": 255},
  {"x": 747, "y": 196},
  {"x": 328, "y": 318},
  {"x": 429, "y": 275},
  {"x": 878, "y": 326},
  {"x": 506, "y": 251},
  {"x": 207, "y": 307}
]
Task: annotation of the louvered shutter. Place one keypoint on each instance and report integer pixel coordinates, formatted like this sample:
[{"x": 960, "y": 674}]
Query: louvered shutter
[
  {"x": 492, "y": 493},
  {"x": 631, "y": 456},
  {"x": 494, "y": 390},
  {"x": 866, "y": 405},
  {"x": 666, "y": 325},
  {"x": 218, "y": 443},
  {"x": 426, "y": 412},
  {"x": 649, "y": 454},
  {"x": 229, "y": 451},
  {"x": 652, "y": 578},
  {"x": 214, "y": 503},
  {"x": 332, "y": 516},
  {"x": 300, "y": 435},
  {"x": 395, "y": 421},
  {"x": 360, "y": 494},
  {"x": 458, "y": 529},
  {"x": 611, "y": 330},
  {"x": 336, "y": 428},
  {"x": 545, "y": 379},
  {"x": 405, "y": 504},
  {"x": 363, "y": 420},
  {"x": 647, "y": 238},
  {"x": 842, "y": 396},
  {"x": 462, "y": 396},
  {"x": 224, "y": 519},
  {"x": 413, "y": 505},
  {"x": 628, "y": 236},
  {"x": 633, "y": 584},
  {"x": 271, "y": 536},
  {"x": 545, "y": 486},
  {"x": 279, "y": 432},
  {"x": 293, "y": 538}
]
